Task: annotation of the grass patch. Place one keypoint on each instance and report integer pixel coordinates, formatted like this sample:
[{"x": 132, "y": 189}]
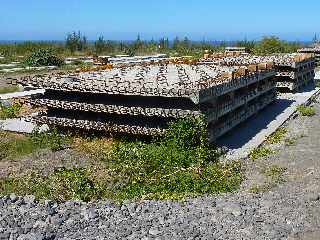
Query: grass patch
[
  {"x": 318, "y": 83},
  {"x": 277, "y": 136},
  {"x": 179, "y": 165},
  {"x": 275, "y": 172},
  {"x": 9, "y": 89},
  {"x": 11, "y": 111},
  {"x": 63, "y": 184},
  {"x": 290, "y": 141},
  {"x": 306, "y": 111},
  {"x": 13, "y": 145},
  {"x": 260, "y": 152}
]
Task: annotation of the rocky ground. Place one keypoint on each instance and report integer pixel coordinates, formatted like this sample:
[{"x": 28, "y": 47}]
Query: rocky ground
[{"x": 285, "y": 204}]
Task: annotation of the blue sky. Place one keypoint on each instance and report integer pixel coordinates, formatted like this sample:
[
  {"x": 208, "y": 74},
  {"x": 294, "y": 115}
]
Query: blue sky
[{"x": 124, "y": 19}]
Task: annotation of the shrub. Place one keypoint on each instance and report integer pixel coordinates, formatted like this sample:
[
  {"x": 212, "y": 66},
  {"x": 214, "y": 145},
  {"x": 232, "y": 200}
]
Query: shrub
[
  {"x": 10, "y": 111},
  {"x": 178, "y": 165},
  {"x": 306, "y": 111},
  {"x": 43, "y": 57}
]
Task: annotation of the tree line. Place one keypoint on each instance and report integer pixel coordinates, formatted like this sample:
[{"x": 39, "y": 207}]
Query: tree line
[{"x": 76, "y": 43}]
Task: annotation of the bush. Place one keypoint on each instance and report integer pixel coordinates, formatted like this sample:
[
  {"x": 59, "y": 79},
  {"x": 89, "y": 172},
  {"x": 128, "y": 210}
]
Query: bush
[
  {"x": 178, "y": 165},
  {"x": 306, "y": 111},
  {"x": 43, "y": 57},
  {"x": 10, "y": 111}
]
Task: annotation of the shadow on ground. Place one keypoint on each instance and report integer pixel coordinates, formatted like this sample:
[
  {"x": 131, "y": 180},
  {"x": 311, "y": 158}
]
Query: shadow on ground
[{"x": 244, "y": 132}]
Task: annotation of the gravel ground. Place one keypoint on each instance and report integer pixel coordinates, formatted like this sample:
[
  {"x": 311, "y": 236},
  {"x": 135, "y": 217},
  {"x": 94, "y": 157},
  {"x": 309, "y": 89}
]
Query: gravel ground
[{"x": 287, "y": 211}]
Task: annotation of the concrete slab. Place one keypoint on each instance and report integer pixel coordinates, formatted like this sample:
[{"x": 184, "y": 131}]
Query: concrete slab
[
  {"x": 20, "y": 125},
  {"x": 21, "y": 94},
  {"x": 252, "y": 133}
]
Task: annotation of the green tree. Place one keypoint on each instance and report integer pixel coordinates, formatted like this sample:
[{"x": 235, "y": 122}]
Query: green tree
[
  {"x": 269, "y": 45},
  {"x": 176, "y": 43},
  {"x": 100, "y": 45},
  {"x": 76, "y": 42}
]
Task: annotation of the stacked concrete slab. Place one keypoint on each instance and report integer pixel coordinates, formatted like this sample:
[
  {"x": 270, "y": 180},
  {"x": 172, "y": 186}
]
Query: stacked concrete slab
[
  {"x": 293, "y": 70},
  {"x": 312, "y": 50},
  {"x": 144, "y": 99}
]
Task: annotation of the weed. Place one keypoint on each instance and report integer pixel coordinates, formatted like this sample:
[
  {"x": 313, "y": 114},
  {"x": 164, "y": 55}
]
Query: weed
[
  {"x": 307, "y": 111},
  {"x": 260, "y": 152},
  {"x": 290, "y": 141},
  {"x": 261, "y": 188},
  {"x": 96, "y": 148},
  {"x": 11, "y": 111},
  {"x": 277, "y": 136},
  {"x": 62, "y": 185},
  {"x": 275, "y": 173}
]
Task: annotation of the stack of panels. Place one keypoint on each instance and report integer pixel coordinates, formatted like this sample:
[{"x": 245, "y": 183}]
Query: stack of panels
[
  {"x": 144, "y": 99},
  {"x": 293, "y": 70}
]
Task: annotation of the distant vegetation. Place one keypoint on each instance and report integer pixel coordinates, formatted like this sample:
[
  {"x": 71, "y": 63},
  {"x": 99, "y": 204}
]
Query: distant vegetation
[{"x": 76, "y": 44}]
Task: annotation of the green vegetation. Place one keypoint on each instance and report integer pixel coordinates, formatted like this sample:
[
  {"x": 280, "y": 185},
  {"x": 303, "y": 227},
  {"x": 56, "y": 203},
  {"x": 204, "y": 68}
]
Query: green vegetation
[
  {"x": 9, "y": 89},
  {"x": 260, "y": 152},
  {"x": 318, "y": 83},
  {"x": 290, "y": 141},
  {"x": 271, "y": 45},
  {"x": 11, "y": 111},
  {"x": 306, "y": 111},
  {"x": 63, "y": 184},
  {"x": 76, "y": 44},
  {"x": 275, "y": 175},
  {"x": 277, "y": 136},
  {"x": 176, "y": 166},
  {"x": 275, "y": 172},
  {"x": 43, "y": 57},
  {"x": 13, "y": 145}
]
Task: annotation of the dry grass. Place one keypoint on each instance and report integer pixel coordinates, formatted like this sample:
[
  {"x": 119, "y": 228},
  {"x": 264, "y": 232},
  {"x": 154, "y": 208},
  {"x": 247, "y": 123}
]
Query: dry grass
[{"x": 96, "y": 148}]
